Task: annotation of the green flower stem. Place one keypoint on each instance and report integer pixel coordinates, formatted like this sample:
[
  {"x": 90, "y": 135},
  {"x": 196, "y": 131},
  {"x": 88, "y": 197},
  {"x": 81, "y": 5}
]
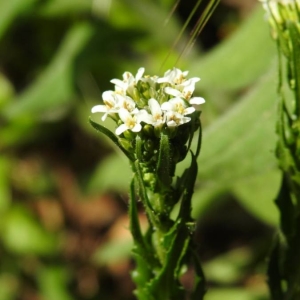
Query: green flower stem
[
  {"x": 284, "y": 263},
  {"x": 155, "y": 132},
  {"x": 157, "y": 275}
]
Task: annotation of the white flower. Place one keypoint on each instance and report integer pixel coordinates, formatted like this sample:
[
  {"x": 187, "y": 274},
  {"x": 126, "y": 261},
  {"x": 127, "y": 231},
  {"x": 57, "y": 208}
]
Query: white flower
[
  {"x": 175, "y": 119},
  {"x": 129, "y": 80},
  {"x": 175, "y": 111},
  {"x": 127, "y": 103},
  {"x": 186, "y": 90},
  {"x": 174, "y": 76},
  {"x": 131, "y": 122},
  {"x": 111, "y": 104},
  {"x": 281, "y": 10},
  {"x": 156, "y": 118},
  {"x": 177, "y": 105}
]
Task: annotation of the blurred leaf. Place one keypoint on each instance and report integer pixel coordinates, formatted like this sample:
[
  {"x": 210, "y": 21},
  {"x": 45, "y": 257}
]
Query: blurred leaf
[
  {"x": 17, "y": 132},
  {"x": 65, "y": 8},
  {"x": 5, "y": 194},
  {"x": 256, "y": 195},
  {"x": 53, "y": 88},
  {"x": 53, "y": 283},
  {"x": 235, "y": 294},
  {"x": 22, "y": 234},
  {"x": 241, "y": 143},
  {"x": 227, "y": 268},
  {"x": 8, "y": 287},
  {"x": 239, "y": 60},
  {"x": 113, "y": 251},
  {"x": 112, "y": 173},
  {"x": 9, "y": 10},
  {"x": 6, "y": 91}
]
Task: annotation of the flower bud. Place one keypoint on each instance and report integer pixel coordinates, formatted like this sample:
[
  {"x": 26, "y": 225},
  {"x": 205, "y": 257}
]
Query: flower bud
[
  {"x": 148, "y": 130},
  {"x": 129, "y": 135}
]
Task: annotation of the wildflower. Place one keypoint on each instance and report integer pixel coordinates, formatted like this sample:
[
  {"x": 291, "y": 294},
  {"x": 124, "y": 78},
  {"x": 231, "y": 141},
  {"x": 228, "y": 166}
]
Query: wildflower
[
  {"x": 157, "y": 117},
  {"x": 129, "y": 80},
  {"x": 111, "y": 101},
  {"x": 177, "y": 105},
  {"x": 131, "y": 122},
  {"x": 174, "y": 119},
  {"x": 142, "y": 100},
  {"x": 186, "y": 90},
  {"x": 174, "y": 76}
]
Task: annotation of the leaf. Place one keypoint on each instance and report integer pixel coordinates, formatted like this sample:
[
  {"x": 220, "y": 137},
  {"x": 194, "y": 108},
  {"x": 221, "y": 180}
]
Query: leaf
[
  {"x": 294, "y": 38},
  {"x": 22, "y": 234},
  {"x": 9, "y": 10},
  {"x": 5, "y": 193},
  {"x": 164, "y": 163},
  {"x": 8, "y": 286},
  {"x": 106, "y": 175},
  {"x": 241, "y": 142},
  {"x": 112, "y": 137},
  {"x": 6, "y": 91},
  {"x": 112, "y": 252},
  {"x": 261, "y": 203},
  {"x": 237, "y": 62},
  {"x": 53, "y": 282},
  {"x": 234, "y": 294},
  {"x": 53, "y": 88},
  {"x": 64, "y": 8}
]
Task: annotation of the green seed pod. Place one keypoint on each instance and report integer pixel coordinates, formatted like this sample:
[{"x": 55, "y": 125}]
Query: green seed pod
[{"x": 149, "y": 145}]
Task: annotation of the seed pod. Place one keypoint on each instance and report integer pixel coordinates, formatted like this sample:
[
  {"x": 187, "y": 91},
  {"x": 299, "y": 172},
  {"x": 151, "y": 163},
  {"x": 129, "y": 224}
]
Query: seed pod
[{"x": 149, "y": 145}]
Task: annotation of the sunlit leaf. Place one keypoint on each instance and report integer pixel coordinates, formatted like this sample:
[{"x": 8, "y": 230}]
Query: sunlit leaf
[
  {"x": 239, "y": 60},
  {"x": 53, "y": 283},
  {"x": 22, "y": 234},
  {"x": 53, "y": 88}
]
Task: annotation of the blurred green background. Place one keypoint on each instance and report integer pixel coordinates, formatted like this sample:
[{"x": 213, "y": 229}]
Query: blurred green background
[{"x": 63, "y": 187}]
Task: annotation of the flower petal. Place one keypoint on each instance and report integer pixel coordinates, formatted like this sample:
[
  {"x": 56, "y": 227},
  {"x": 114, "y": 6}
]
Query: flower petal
[
  {"x": 99, "y": 108},
  {"x": 172, "y": 92},
  {"x": 197, "y": 100},
  {"x": 121, "y": 129}
]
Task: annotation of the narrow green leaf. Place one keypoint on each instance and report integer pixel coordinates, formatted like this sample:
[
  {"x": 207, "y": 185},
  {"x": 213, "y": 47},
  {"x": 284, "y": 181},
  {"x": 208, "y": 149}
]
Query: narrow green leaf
[
  {"x": 295, "y": 40},
  {"x": 164, "y": 161},
  {"x": 190, "y": 178},
  {"x": 111, "y": 136},
  {"x": 143, "y": 195}
]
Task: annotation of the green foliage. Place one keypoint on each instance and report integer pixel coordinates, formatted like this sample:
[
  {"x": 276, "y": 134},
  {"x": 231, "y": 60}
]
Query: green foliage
[{"x": 57, "y": 58}]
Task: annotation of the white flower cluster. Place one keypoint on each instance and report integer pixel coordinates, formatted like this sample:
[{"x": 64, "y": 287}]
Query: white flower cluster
[
  {"x": 157, "y": 101},
  {"x": 281, "y": 10}
]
